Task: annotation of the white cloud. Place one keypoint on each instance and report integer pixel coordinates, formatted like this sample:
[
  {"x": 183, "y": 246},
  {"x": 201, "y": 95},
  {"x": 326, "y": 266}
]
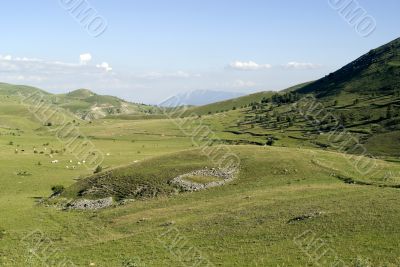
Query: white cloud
[
  {"x": 7, "y": 57},
  {"x": 104, "y": 66},
  {"x": 53, "y": 74},
  {"x": 248, "y": 66},
  {"x": 85, "y": 58},
  {"x": 301, "y": 65}
]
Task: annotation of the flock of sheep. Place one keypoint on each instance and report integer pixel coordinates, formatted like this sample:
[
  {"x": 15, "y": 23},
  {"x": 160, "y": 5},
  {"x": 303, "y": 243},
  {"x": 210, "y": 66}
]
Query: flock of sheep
[{"x": 73, "y": 167}]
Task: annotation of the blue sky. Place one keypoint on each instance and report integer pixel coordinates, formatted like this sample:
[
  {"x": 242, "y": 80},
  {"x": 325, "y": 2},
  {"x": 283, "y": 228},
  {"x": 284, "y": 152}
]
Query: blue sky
[{"x": 156, "y": 48}]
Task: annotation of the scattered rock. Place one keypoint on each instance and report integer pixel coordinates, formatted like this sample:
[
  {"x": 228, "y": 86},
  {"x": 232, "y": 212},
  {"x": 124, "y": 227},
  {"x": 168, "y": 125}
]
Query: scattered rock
[
  {"x": 167, "y": 224},
  {"x": 85, "y": 204},
  {"x": 143, "y": 220},
  {"x": 305, "y": 217}
]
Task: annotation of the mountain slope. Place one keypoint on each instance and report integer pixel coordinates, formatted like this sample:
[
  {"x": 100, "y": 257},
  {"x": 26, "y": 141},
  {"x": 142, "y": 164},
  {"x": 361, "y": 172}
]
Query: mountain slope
[
  {"x": 238, "y": 102},
  {"x": 356, "y": 110},
  {"x": 375, "y": 72}
]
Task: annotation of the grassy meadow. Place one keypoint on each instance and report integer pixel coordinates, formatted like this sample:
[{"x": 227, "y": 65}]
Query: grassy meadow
[{"x": 281, "y": 194}]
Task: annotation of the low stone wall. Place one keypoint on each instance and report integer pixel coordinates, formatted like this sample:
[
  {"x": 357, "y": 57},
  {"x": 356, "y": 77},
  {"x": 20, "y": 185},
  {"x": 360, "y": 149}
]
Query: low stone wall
[{"x": 225, "y": 175}]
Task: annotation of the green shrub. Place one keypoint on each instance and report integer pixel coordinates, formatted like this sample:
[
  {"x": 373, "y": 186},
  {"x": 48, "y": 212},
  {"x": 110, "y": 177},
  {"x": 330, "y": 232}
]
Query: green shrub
[
  {"x": 270, "y": 142},
  {"x": 57, "y": 189}
]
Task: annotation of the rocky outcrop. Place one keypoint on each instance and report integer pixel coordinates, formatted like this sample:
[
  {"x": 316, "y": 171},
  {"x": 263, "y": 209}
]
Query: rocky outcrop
[
  {"x": 185, "y": 185},
  {"x": 86, "y": 204}
]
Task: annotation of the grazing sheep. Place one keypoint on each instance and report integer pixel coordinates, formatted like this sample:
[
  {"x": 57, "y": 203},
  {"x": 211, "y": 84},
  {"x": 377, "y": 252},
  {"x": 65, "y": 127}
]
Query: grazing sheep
[
  {"x": 73, "y": 167},
  {"x": 79, "y": 163},
  {"x": 70, "y": 161},
  {"x": 84, "y": 161},
  {"x": 54, "y": 161}
]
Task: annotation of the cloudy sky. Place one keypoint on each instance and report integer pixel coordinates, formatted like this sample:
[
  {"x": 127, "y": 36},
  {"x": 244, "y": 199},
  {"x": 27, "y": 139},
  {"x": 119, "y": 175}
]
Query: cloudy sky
[{"x": 146, "y": 51}]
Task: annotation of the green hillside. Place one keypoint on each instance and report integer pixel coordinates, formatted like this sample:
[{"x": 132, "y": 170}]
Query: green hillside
[
  {"x": 377, "y": 72},
  {"x": 15, "y": 90},
  {"x": 234, "y": 103},
  {"x": 90, "y": 106},
  {"x": 80, "y": 94},
  {"x": 361, "y": 100},
  {"x": 83, "y": 103}
]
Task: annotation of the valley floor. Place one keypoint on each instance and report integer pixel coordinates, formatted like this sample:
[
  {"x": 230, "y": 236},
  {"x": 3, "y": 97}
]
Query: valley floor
[{"x": 287, "y": 207}]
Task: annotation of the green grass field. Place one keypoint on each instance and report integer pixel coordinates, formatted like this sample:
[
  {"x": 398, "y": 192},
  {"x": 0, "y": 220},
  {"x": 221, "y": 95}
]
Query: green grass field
[{"x": 257, "y": 220}]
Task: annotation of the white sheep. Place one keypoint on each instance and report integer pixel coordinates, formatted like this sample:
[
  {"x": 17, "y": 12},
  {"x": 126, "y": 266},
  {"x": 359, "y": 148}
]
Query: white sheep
[
  {"x": 79, "y": 163},
  {"x": 54, "y": 161}
]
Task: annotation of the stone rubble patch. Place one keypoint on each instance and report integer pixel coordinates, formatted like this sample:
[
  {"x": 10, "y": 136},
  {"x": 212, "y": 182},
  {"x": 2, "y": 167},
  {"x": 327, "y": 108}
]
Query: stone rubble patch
[
  {"x": 86, "y": 204},
  {"x": 226, "y": 176}
]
